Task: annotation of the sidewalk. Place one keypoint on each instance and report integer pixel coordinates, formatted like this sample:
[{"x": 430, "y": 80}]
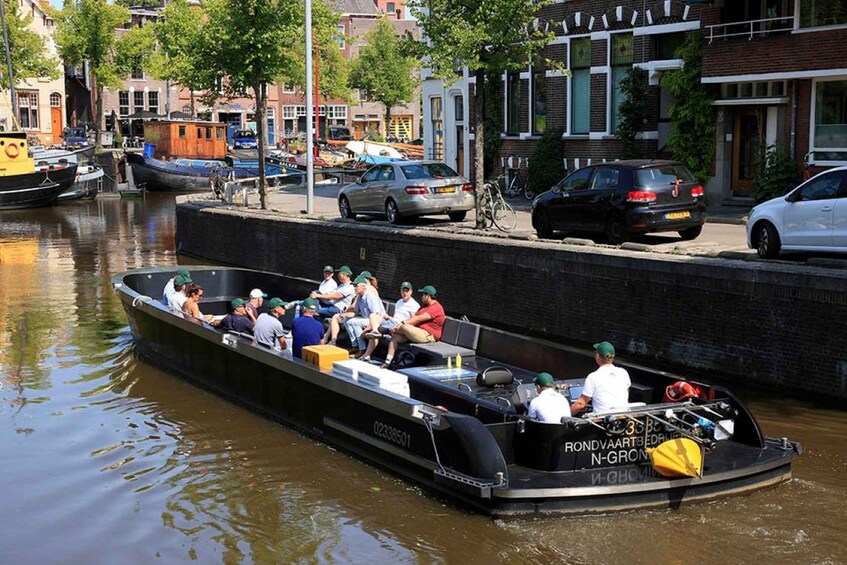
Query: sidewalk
[{"x": 736, "y": 215}]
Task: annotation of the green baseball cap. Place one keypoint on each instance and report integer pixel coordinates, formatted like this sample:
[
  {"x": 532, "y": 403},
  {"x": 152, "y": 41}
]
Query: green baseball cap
[
  {"x": 184, "y": 273},
  {"x": 543, "y": 379},
  {"x": 406, "y": 284},
  {"x": 605, "y": 349},
  {"x": 345, "y": 269},
  {"x": 428, "y": 289},
  {"x": 360, "y": 280},
  {"x": 310, "y": 304},
  {"x": 274, "y": 302},
  {"x": 328, "y": 269},
  {"x": 366, "y": 274},
  {"x": 237, "y": 303},
  {"x": 180, "y": 280}
]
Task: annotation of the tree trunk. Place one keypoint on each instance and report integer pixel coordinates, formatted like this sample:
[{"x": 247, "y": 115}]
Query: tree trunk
[
  {"x": 479, "y": 143},
  {"x": 191, "y": 96},
  {"x": 261, "y": 126},
  {"x": 387, "y": 122},
  {"x": 98, "y": 147}
]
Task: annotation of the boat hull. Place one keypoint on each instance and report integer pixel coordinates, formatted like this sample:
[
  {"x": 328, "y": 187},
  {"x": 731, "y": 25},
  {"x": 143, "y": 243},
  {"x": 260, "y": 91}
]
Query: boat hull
[
  {"x": 86, "y": 184},
  {"x": 471, "y": 461},
  {"x": 156, "y": 175},
  {"x": 29, "y": 190}
]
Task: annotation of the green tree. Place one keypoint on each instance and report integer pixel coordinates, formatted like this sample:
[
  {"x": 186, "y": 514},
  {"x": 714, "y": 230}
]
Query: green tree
[
  {"x": 633, "y": 111},
  {"x": 383, "y": 70},
  {"x": 491, "y": 36},
  {"x": 28, "y": 50},
  {"x": 139, "y": 3},
  {"x": 250, "y": 44},
  {"x": 179, "y": 57},
  {"x": 85, "y": 32},
  {"x": 546, "y": 166},
  {"x": 692, "y": 136}
]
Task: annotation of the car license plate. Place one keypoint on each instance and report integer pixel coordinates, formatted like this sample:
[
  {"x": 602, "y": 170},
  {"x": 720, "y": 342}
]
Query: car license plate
[
  {"x": 678, "y": 215},
  {"x": 445, "y": 189}
]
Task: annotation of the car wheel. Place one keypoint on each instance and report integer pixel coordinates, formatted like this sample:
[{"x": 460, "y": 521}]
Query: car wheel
[
  {"x": 767, "y": 241},
  {"x": 344, "y": 209},
  {"x": 541, "y": 223},
  {"x": 392, "y": 213},
  {"x": 691, "y": 233},
  {"x": 457, "y": 216},
  {"x": 616, "y": 230}
]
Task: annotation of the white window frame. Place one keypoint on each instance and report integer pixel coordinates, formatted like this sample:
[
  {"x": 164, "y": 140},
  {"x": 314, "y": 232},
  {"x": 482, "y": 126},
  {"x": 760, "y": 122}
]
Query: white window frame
[{"x": 812, "y": 111}]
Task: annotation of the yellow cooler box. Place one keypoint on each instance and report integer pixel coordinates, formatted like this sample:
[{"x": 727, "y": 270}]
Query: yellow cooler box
[{"x": 323, "y": 356}]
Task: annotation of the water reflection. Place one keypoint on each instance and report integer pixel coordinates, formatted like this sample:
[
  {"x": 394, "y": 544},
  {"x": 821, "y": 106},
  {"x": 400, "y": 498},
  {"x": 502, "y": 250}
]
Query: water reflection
[{"x": 107, "y": 457}]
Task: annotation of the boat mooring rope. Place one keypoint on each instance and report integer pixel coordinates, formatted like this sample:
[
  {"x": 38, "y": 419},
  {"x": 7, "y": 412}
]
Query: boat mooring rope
[
  {"x": 428, "y": 423},
  {"x": 139, "y": 299}
]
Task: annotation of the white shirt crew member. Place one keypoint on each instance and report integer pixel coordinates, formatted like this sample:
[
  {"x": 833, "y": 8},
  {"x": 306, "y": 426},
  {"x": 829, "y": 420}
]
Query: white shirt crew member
[
  {"x": 327, "y": 286},
  {"x": 608, "y": 388},
  {"x": 549, "y": 407}
]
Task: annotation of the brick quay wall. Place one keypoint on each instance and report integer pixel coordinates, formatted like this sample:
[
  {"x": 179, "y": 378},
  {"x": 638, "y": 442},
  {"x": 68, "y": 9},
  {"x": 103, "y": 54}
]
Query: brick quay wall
[{"x": 773, "y": 324}]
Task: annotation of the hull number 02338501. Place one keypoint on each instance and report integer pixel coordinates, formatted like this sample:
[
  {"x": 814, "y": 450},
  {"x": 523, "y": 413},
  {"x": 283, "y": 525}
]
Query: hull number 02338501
[{"x": 392, "y": 434}]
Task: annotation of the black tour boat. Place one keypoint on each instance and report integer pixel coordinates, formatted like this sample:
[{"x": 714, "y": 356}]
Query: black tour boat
[{"x": 462, "y": 431}]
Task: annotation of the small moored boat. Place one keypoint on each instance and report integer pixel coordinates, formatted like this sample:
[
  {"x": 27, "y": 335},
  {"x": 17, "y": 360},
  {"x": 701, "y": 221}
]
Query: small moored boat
[
  {"x": 461, "y": 428},
  {"x": 21, "y": 184}
]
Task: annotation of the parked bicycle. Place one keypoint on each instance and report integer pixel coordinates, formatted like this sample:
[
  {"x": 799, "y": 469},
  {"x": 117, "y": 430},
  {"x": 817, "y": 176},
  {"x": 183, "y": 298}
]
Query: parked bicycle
[
  {"x": 518, "y": 186},
  {"x": 495, "y": 209}
]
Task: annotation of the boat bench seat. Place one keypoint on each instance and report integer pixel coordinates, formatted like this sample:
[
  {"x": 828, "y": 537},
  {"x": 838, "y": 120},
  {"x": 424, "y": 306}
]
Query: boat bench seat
[{"x": 457, "y": 338}]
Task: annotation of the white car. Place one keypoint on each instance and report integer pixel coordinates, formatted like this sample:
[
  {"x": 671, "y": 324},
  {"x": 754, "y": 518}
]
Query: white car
[{"x": 812, "y": 217}]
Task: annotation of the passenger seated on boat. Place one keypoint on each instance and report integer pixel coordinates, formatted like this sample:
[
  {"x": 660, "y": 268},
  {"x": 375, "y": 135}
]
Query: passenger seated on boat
[
  {"x": 169, "y": 286},
  {"x": 327, "y": 286},
  {"x": 177, "y": 298},
  {"x": 268, "y": 330},
  {"x": 194, "y": 293},
  {"x": 403, "y": 310},
  {"x": 549, "y": 406},
  {"x": 357, "y": 321},
  {"x": 251, "y": 307},
  {"x": 424, "y": 327},
  {"x": 306, "y": 329},
  {"x": 237, "y": 320},
  {"x": 607, "y": 388},
  {"x": 340, "y": 298}
]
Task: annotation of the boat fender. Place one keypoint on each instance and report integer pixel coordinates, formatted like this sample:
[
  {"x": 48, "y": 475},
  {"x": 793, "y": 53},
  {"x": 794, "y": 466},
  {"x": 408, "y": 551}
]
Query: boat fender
[
  {"x": 675, "y": 458},
  {"x": 493, "y": 376},
  {"x": 681, "y": 390},
  {"x": 12, "y": 151}
]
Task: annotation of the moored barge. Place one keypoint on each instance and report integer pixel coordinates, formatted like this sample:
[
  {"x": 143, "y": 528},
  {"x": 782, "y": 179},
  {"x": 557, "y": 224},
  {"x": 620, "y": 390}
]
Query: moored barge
[{"x": 463, "y": 431}]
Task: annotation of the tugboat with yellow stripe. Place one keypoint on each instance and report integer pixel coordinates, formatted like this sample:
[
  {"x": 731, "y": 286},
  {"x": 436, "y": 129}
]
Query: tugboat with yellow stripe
[{"x": 21, "y": 186}]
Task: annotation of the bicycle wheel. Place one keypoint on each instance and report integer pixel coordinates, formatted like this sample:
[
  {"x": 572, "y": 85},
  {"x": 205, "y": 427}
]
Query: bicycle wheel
[
  {"x": 504, "y": 216},
  {"x": 528, "y": 193},
  {"x": 513, "y": 190}
]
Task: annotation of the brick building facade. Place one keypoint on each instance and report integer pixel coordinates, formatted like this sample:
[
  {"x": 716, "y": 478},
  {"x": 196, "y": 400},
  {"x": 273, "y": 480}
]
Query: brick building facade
[{"x": 790, "y": 91}]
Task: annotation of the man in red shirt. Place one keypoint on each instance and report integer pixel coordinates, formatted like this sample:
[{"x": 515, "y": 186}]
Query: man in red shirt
[{"x": 424, "y": 327}]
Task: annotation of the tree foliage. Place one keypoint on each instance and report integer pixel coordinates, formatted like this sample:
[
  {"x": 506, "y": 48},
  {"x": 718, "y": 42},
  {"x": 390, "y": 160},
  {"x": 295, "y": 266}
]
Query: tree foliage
[
  {"x": 85, "y": 32},
  {"x": 181, "y": 48},
  {"x": 779, "y": 171},
  {"x": 493, "y": 119},
  {"x": 29, "y": 53},
  {"x": 632, "y": 111},
  {"x": 488, "y": 36},
  {"x": 693, "y": 126},
  {"x": 546, "y": 166},
  {"x": 383, "y": 70}
]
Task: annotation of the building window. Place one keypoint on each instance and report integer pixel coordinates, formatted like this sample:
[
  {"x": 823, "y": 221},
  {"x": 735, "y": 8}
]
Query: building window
[
  {"x": 220, "y": 133},
  {"x": 580, "y": 66},
  {"x": 153, "y": 102},
  {"x": 830, "y": 120},
  {"x": 539, "y": 97},
  {"x": 55, "y": 100},
  {"x": 389, "y": 8},
  {"x": 819, "y": 13},
  {"x": 182, "y": 132},
  {"x": 340, "y": 37},
  {"x": 287, "y": 89},
  {"x": 666, "y": 45},
  {"x": 138, "y": 101},
  {"x": 620, "y": 59},
  {"x": 123, "y": 103},
  {"x": 28, "y": 109},
  {"x": 137, "y": 74},
  {"x": 437, "y": 151},
  {"x": 513, "y": 103},
  {"x": 459, "y": 108}
]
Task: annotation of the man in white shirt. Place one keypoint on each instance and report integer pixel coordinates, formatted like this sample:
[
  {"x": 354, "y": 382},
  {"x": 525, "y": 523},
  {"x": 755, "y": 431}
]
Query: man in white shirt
[
  {"x": 404, "y": 309},
  {"x": 340, "y": 298},
  {"x": 177, "y": 298},
  {"x": 327, "y": 287},
  {"x": 169, "y": 286},
  {"x": 549, "y": 407},
  {"x": 607, "y": 388}
]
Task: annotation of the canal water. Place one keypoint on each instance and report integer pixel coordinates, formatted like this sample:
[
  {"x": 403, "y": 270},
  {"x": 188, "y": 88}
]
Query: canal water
[{"x": 106, "y": 459}]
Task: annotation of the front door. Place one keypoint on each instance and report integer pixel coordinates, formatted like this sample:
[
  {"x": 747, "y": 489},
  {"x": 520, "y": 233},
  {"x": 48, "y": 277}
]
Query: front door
[
  {"x": 56, "y": 123},
  {"x": 747, "y": 140}
]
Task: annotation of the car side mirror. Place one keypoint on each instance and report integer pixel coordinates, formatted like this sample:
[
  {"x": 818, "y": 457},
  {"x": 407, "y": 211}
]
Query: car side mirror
[{"x": 793, "y": 196}]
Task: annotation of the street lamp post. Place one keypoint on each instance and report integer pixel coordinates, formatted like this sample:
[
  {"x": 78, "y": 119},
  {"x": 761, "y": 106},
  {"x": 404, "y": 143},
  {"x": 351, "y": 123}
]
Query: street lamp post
[{"x": 310, "y": 151}]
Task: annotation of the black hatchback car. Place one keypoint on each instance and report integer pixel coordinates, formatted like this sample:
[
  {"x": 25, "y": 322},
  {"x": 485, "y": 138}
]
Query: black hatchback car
[{"x": 623, "y": 199}]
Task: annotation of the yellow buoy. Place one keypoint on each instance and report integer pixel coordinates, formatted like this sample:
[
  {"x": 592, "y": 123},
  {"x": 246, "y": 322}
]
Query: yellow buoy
[{"x": 679, "y": 457}]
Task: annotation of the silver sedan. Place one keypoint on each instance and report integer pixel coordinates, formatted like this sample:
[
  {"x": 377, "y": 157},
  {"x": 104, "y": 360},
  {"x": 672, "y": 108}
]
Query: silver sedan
[{"x": 408, "y": 188}]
